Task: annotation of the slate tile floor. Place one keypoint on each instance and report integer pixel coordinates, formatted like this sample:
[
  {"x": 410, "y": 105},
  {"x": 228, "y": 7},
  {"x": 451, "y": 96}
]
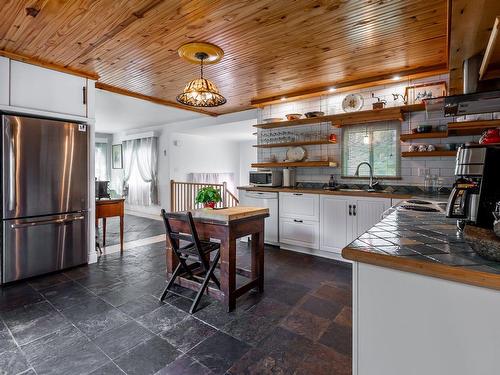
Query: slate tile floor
[
  {"x": 106, "y": 319},
  {"x": 134, "y": 228}
]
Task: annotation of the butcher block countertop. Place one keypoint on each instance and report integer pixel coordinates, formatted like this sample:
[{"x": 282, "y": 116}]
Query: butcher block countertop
[
  {"x": 229, "y": 214},
  {"x": 381, "y": 194},
  {"x": 423, "y": 243}
]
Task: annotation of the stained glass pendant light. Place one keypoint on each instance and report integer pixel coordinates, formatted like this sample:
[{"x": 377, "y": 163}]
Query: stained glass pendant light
[{"x": 201, "y": 92}]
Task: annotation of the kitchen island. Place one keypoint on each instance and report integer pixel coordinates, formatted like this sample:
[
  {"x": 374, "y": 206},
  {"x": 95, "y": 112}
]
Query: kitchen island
[
  {"x": 227, "y": 225},
  {"x": 417, "y": 281}
]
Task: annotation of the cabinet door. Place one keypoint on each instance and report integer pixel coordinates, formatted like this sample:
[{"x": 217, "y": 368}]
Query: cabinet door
[
  {"x": 299, "y": 232},
  {"x": 299, "y": 206},
  {"x": 4, "y": 81},
  {"x": 47, "y": 90},
  {"x": 335, "y": 223},
  {"x": 368, "y": 212}
]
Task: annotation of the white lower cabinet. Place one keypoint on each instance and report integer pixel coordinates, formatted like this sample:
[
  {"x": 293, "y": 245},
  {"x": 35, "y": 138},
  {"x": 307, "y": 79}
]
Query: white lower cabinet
[
  {"x": 343, "y": 219},
  {"x": 336, "y": 227},
  {"x": 299, "y": 232},
  {"x": 368, "y": 212}
]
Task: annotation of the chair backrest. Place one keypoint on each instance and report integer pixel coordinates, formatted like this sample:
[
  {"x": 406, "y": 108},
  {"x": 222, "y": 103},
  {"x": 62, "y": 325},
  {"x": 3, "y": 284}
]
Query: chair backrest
[{"x": 174, "y": 237}]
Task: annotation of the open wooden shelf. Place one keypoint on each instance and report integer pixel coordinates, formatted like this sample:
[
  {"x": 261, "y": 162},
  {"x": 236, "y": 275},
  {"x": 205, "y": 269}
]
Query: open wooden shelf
[
  {"x": 304, "y": 164},
  {"x": 425, "y": 154},
  {"x": 471, "y": 127},
  {"x": 407, "y": 137},
  {"x": 351, "y": 118},
  {"x": 292, "y": 144}
]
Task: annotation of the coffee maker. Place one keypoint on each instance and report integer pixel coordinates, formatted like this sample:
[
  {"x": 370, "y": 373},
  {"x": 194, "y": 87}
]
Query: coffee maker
[{"x": 477, "y": 188}]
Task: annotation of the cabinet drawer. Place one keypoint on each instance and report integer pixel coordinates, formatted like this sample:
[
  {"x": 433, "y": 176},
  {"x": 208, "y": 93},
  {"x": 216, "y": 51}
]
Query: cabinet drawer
[
  {"x": 299, "y": 206},
  {"x": 299, "y": 232}
]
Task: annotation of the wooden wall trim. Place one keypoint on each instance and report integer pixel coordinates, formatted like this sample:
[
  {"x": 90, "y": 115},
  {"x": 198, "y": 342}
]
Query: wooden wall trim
[
  {"x": 352, "y": 85},
  {"x": 167, "y": 103},
  {"x": 45, "y": 64}
]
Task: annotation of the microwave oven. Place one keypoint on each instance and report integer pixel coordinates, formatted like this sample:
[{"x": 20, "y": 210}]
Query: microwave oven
[{"x": 266, "y": 178}]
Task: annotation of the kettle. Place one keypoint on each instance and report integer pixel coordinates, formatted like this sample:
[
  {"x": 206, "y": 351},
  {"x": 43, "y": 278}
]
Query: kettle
[{"x": 490, "y": 136}]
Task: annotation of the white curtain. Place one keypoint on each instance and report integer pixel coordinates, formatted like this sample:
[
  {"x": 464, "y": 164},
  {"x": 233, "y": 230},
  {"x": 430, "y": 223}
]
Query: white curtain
[
  {"x": 141, "y": 171},
  {"x": 214, "y": 178}
]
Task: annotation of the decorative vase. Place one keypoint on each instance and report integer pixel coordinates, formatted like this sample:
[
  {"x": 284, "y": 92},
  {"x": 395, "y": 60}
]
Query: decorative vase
[{"x": 209, "y": 204}]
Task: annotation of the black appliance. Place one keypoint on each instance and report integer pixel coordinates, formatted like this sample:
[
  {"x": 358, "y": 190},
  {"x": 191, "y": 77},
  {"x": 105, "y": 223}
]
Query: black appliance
[
  {"x": 477, "y": 188},
  {"x": 101, "y": 189}
]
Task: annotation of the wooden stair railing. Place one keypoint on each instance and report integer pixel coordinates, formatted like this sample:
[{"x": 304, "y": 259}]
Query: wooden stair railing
[{"x": 183, "y": 194}]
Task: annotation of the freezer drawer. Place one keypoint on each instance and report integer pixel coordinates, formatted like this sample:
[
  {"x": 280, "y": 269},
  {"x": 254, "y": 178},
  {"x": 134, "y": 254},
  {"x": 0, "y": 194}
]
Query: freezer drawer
[{"x": 44, "y": 244}]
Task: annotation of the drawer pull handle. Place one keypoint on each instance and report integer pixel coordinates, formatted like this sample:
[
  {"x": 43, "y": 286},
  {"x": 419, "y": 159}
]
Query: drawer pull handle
[
  {"x": 354, "y": 210},
  {"x": 297, "y": 194},
  {"x": 298, "y": 221},
  {"x": 350, "y": 210}
]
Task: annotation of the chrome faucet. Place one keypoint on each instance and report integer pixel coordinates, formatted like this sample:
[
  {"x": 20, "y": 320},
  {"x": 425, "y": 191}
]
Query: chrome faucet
[{"x": 371, "y": 184}]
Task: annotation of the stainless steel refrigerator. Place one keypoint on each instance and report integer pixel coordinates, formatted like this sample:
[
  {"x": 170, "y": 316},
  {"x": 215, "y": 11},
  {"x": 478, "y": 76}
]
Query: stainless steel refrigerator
[{"x": 44, "y": 196}]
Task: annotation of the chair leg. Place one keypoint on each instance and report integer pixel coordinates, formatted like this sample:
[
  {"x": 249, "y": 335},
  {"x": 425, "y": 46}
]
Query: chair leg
[
  {"x": 204, "y": 284},
  {"x": 171, "y": 281},
  {"x": 206, "y": 265}
]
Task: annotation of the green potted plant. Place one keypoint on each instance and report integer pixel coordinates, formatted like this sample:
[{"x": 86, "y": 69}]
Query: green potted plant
[{"x": 209, "y": 196}]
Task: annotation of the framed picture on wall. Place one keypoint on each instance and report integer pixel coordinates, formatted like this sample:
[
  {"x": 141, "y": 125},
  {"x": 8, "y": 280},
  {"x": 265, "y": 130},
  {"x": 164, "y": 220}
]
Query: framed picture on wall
[
  {"x": 416, "y": 94},
  {"x": 117, "y": 157}
]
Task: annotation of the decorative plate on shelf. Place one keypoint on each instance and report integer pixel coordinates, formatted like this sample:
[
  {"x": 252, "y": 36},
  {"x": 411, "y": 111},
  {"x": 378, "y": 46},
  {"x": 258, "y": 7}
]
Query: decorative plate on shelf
[
  {"x": 352, "y": 103},
  {"x": 295, "y": 154}
]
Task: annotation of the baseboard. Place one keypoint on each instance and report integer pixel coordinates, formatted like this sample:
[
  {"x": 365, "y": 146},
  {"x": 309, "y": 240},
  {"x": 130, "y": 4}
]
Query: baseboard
[
  {"x": 147, "y": 215},
  {"x": 315, "y": 252}
]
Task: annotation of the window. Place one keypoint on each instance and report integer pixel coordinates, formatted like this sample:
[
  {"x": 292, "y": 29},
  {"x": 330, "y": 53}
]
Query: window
[
  {"x": 101, "y": 161},
  {"x": 376, "y": 144},
  {"x": 140, "y": 171}
]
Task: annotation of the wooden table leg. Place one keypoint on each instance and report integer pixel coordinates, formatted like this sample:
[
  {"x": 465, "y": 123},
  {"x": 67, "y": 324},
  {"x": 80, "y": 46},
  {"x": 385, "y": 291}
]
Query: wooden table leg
[
  {"x": 228, "y": 272},
  {"x": 103, "y": 232},
  {"x": 258, "y": 259},
  {"x": 121, "y": 233}
]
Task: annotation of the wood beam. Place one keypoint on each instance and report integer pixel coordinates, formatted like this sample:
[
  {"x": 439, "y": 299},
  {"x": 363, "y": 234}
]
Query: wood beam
[
  {"x": 352, "y": 85},
  {"x": 48, "y": 65},
  {"x": 167, "y": 103}
]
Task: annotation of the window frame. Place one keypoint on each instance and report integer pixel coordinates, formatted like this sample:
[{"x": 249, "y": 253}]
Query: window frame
[{"x": 370, "y": 128}]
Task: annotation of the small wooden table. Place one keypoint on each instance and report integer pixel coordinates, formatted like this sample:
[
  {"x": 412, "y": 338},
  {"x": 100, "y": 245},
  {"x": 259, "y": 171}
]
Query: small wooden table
[
  {"x": 105, "y": 208},
  {"x": 227, "y": 225}
]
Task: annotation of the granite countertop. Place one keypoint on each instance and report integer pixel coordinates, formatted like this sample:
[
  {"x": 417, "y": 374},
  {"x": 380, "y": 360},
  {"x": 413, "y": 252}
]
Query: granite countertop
[{"x": 424, "y": 243}]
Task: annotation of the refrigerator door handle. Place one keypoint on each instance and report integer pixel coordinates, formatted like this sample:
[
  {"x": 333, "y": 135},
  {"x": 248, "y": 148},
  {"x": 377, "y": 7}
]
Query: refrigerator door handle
[{"x": 46, "y": 222}]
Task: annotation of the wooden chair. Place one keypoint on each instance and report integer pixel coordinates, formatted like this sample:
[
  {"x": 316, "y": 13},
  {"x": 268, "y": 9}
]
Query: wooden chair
[{"x": 195, "y": 248}]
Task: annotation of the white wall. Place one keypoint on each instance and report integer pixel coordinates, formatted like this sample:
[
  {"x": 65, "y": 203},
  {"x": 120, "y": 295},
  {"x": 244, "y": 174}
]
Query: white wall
[
  {"x": 443, "y": 167},
  {"x": 205, "y": 149},
  {"x": 248, "y": 155}
]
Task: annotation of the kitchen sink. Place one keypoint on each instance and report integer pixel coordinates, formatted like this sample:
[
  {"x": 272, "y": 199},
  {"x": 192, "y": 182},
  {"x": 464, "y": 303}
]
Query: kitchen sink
[{"x": 356, "y": 190}]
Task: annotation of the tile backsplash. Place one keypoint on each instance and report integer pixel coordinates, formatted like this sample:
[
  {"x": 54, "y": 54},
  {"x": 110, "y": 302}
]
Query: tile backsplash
[{"x": 413, "y": 170}]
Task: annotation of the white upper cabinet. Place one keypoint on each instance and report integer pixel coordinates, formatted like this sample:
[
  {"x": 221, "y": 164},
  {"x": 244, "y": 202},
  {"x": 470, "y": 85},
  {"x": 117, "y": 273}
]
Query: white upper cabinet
[
  {"x": 48, "y": 90},
  {"x": 299, "y": 206},
  {"x": 4, "y": 81}
]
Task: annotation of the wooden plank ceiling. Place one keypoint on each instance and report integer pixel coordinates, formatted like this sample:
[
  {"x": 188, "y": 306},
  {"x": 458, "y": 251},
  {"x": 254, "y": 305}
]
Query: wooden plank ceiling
[
  {"x": 271, "y": 46},
  {"x": 471, "y": 25}
]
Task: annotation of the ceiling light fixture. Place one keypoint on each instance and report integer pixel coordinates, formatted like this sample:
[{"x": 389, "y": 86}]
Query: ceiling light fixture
[
  {"x": 283, "y": 98},
  {"x": 201, "y": 92},
  {"x": 331, "y": 89},
  {"x": 396, "y": 78}
]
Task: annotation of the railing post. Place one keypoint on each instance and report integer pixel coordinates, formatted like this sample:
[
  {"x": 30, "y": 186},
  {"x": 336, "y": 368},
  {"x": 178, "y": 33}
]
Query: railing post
[
  {"x": 224, "y": 194},
  {"x": 172, "y": 196}
]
